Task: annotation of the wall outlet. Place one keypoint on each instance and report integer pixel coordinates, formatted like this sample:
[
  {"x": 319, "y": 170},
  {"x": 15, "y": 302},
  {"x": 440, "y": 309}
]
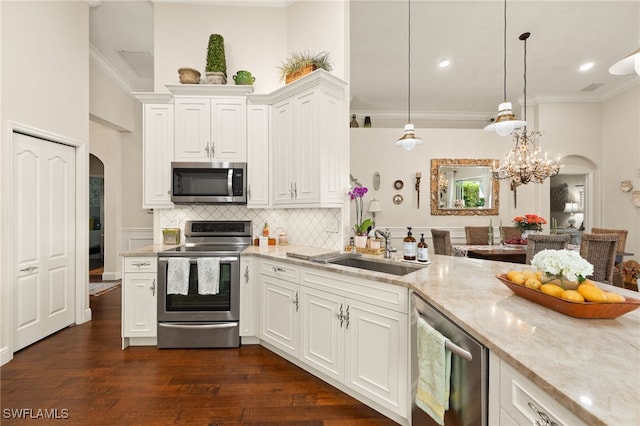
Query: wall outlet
[{"x": 331, "y": 225}]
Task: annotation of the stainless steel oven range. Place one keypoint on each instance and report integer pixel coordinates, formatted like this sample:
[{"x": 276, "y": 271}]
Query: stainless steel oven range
[{"x": 199, "y": 286}]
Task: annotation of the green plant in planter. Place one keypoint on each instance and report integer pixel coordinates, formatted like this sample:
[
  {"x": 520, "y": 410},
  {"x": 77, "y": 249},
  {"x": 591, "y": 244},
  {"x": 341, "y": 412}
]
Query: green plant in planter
[
  {"x": 216, "y": 61},
  {"x": 298, "y": 60}
]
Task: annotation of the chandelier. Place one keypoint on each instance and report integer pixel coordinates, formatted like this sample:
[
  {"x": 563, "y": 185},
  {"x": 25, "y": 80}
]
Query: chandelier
[{"x": 524, "y": 163}]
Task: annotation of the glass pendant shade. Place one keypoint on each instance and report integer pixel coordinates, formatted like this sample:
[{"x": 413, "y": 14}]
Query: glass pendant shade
[
  {"x": 409, "y": 140},
  {"x": 628, "y": 65},
  {"x": 506, "y": 122}
]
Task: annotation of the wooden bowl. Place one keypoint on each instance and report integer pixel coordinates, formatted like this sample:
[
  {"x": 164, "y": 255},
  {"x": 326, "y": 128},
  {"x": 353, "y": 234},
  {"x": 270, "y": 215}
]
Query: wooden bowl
[{"x": 574, "y": 309}]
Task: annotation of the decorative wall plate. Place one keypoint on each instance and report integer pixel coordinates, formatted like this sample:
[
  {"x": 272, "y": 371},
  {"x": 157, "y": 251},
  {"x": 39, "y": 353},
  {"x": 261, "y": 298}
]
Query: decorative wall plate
[
  {"x": 626, "y": 186},
  {"x": 398, "y": 184},
  {"x": 397, "y": 199}
]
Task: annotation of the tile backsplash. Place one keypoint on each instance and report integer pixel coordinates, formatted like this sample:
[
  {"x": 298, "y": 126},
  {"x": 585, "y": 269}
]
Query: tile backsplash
[{"x": 307, "y": 227}]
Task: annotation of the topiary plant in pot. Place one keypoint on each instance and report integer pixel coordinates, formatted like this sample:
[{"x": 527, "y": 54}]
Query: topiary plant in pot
[{"x": 216, "y": 68}]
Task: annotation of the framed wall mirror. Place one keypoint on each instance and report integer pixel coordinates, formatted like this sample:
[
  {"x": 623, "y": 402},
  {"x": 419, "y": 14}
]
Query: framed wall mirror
[{"x": 464, "y": 187}]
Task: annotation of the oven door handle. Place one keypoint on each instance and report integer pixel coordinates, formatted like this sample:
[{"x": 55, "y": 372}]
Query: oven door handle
[
  {"x": 455, "y": 349},
  {"x": 194, "y": 260},
  {"x": 200, "y": 326}
]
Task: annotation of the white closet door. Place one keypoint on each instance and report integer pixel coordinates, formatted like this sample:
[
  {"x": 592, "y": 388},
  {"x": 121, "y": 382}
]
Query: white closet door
[{"x": 44, "y": 202}]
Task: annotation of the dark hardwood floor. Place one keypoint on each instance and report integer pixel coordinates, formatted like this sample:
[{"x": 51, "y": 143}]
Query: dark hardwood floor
[{"x": 81, "y": 376}]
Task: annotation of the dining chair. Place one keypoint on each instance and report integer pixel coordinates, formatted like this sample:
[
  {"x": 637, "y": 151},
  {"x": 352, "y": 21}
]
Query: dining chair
[
  {"x": 477, "y": 234},
  {"x": 539, "y": 242},
  {"x": 510, "y": 233},
  {"x": 622, "y": 241},
  {"x": 441, "y": 241},
  {"x": 600, "y": 250}
]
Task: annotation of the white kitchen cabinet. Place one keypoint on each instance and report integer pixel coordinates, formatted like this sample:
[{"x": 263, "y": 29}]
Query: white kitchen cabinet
[
  {"x": 515, "y": 400},
  {"x": 211, "y": 129},
  {"x": 257, "y": 155},
  {"x": 280, "y": 306},
  {"x": 348, "y": 337},
  {"x": 157, "y": 149},
  {"x": 309, "y": 141},
  {"x": 139, "y": 301},
  {"x": 247, "y": 298}
]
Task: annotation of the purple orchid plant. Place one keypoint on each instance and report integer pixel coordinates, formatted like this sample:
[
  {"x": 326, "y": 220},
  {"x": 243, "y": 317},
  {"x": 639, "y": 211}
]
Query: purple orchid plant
[{"x": 362, "y": 225}]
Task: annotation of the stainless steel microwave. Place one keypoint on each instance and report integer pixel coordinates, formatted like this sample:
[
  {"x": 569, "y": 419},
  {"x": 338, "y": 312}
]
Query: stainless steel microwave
[{"x": 208, "y": 183}]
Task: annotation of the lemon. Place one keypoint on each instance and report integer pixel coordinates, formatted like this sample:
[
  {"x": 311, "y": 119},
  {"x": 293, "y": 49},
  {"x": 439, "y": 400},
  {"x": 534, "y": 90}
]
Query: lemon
[
  {"x": 592, "y": 294},
  {"x": 533, "y": 283},
  {"x": 572, "y": 295},
  {"x": 519, "y": 279},
  {"x": 614, "y": 297},
  {"x": 512, "y": 273},
  {"x": 530, "y": 274},
  {"x": 589, "y": 282},
  {"x": 551, "y": 289}
]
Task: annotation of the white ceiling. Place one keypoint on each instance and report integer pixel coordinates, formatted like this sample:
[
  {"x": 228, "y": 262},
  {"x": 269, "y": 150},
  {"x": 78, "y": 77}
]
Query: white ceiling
[{"x": 564, "y": 34}]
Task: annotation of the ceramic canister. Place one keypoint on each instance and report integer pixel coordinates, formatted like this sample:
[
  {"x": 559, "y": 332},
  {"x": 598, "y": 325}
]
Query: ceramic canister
[{"x": 244, "y": 77}]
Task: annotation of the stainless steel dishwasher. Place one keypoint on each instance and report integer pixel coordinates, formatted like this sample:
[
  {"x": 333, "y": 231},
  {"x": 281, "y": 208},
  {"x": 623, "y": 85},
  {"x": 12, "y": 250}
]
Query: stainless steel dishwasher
[{"x": 469, "y": 370}]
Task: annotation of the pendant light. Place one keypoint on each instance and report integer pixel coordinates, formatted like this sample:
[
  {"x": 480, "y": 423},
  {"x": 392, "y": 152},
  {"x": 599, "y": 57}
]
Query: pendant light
[
  {"x": 409, "y": 140},
  {"x": 628, "y": 65},
  {"x": 524, "y": 163},
  {"x": 505, "y": 122}
]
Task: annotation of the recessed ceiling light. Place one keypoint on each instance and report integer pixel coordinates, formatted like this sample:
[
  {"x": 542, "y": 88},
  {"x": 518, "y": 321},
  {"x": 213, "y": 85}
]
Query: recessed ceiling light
[
  {"x": 444, "y": 63},
  {"x": 586, "y": 67}
]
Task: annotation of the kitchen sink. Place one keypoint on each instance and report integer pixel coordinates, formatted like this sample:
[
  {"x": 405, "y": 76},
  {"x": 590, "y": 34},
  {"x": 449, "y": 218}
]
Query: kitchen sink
[{"x": 355, "y": 261}]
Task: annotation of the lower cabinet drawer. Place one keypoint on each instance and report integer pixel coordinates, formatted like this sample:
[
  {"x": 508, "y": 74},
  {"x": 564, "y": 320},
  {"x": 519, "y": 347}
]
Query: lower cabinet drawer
[
  {"x": 526, "y": 404},
  {"x": 140, "y": 264}
]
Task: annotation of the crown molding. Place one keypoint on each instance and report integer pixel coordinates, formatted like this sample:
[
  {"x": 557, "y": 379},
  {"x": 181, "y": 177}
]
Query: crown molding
[{"x": 114, "y": 75}]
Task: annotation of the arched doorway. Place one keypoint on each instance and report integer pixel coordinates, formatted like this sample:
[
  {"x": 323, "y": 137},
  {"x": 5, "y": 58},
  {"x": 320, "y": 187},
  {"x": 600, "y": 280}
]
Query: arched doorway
[
  {"x": 96, "y": 218},
  {"x": 571, "y": 196}
]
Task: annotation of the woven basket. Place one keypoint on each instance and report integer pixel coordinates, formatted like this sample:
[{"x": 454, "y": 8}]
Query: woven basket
[
  {"x": 189, "y": 75},
  {"x": 293, "y": 76},
  {"x": 364, "y": 250}
]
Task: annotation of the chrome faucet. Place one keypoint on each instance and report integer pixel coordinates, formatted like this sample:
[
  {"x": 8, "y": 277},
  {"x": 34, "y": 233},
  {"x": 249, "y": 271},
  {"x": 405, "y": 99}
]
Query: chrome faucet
[{"x": 387, "y": 242}]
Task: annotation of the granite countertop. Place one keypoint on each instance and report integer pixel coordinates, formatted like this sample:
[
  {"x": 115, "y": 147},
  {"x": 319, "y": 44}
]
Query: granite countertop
[
  {"x": 590, "y": 366},
  {"x": 150, "y": 250}
]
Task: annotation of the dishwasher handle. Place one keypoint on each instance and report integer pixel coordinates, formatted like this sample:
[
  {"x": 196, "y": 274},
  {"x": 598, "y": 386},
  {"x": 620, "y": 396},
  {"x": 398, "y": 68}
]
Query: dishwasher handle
[{"x": 455, "y": 349}]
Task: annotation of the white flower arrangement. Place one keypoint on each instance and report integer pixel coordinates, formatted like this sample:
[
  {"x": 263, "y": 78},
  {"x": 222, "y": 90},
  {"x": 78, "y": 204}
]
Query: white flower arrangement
[{"x": 562, "y": 264}]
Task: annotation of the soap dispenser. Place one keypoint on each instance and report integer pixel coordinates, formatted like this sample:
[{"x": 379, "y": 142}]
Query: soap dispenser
[
  {"x": 409, "y": 246},
  {"x": 423, "y": 252}
]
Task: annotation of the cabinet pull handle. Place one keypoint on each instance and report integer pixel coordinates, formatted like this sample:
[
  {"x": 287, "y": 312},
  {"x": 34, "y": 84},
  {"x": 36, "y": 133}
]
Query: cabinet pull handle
[
  {"x": 277, "y": 269},
  {"x": 246, "y": 275},
  {"x": 295, "y": 190},
  {"x": 140, "y": 264},
  {"x": 291, "y": 191},
  {"x": 213, "y": 149},
  {"x": 153, "y": 287},
  {"x": 295, "y": 302},
  {"x": 29, "y": 269},
  {"x": 546, "y": 421},
  {"x": 341, "y": 316},
  {"x": 347, "y": 319},
  {"x": 206, "y": 149}
]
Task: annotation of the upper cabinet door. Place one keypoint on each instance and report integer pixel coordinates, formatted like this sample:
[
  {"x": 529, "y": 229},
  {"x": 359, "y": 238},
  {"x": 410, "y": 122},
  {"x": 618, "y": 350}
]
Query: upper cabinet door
[
  {"x": 211, "y": 129},
  {"x": 192, "y": 129},
  {"x": 157, "y": 156}
]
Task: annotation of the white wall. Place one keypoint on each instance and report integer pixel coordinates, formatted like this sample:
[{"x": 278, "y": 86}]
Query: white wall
[
  {"x": 254, "y": 40},
  {"x": 45, "y": 86},
  {"x": 106, "y": 145},
  {"x": 373, "y": 149},
  {"x": 621, "y": 161},
  {"x": 108, "y": 103}
]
